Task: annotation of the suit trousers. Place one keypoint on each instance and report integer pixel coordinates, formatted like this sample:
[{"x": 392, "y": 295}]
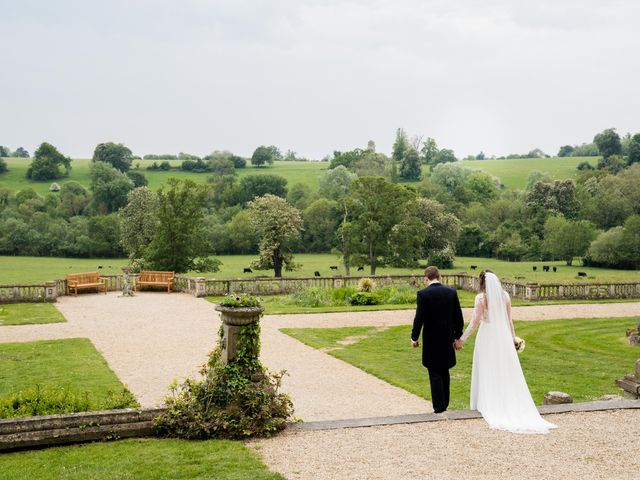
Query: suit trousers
[{"x": 439, "y": 380}]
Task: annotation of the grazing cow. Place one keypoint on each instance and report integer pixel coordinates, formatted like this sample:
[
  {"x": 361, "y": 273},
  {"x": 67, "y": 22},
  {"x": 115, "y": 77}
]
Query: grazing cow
[
  {"x": 473, "y": 267},
  {"x": 333, "y": 267},
  {"x": 545, "y": 268},
  {"x": 361, "y": 269},
  {"x": 316, "y": 273},
  {"x": 534, "y": 268},
  {"x": 555, "y": 269},
  {"x": 99, "y": 267},
  {"x": 582, "y": 274},
  {"x": 247, "y": 270}
]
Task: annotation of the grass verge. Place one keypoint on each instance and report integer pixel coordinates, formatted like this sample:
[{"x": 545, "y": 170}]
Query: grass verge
[
  {"x": 140, "y": 459},
  {"x": 29, "y": 313},
  {"x": 582, "y": 357},
  {"x": 57, "y": 376}
]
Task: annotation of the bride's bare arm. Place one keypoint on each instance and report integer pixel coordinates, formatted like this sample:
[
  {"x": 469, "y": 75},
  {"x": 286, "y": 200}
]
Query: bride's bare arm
[{"x": 476, "y": 316}]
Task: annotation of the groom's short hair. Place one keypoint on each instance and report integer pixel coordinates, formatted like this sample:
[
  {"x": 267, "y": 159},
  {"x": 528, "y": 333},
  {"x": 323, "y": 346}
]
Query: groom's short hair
[{"x": 432, "y": 272}]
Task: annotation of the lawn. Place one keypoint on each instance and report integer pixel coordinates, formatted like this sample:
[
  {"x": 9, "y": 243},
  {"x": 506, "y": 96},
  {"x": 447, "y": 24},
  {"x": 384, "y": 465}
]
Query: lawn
[
  {"x": 140, "y": 459},
  {"x": 73, "y": 364},
  {"x": 28, "y": 270},
  {"x": 582, "y": 357},
  {"x": 513, "y": 172},
  {"x": 295, "y": 172},
  {"x": 29, "y": 313}
]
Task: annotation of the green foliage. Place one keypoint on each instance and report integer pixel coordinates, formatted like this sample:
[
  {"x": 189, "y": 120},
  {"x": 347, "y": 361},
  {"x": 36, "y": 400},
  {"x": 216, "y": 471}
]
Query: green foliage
[
  {"x": 400, "y": 147},
  {"x": 429, "y": 151},
  {"x": 138, "y": 222},
  {"x": 138, "y": 179},
  {"x": 110, "y": 187},
  {"x": 115, "y": 154},
  {"x": 53, "y": 399},
  {"x": 366, "y": 284},
  {"x": 263, "y": 155},
  {"x": 634, "y": 149},
  {"x": 47, "y": 162},
  {"x": 276, "y": 223},
  {"x": 334, "y": 184},
  {"x": 236, "y": 400},
  {"x": 317, "y": 297},
  {"x": 445, "y": 156},
  {"x": 608, "y": 142},
  {"x": 410, "y": 165},
  {"x": 364, "y": 298},
  {"x": 321, "y": 219},
  {"x": 253, "y": 186},
  {"x": 3, "y": 166},
  {"x": 566, "y": 239},
  {"x": 472, "y": 241},
  {"x": 512, "y": 248},
  {"x": 179, "y": 237},
  {"x": 240, "y": 301},
  {"x": 565, "y": 151},
  {"x": 346, "y": 159},
  {"x": 443, "y": 258}
]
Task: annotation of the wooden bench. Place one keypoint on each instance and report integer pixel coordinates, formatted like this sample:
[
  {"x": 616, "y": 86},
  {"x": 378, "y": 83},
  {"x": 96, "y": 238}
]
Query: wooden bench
[
  {"x": 82, "y": 281},
  {"x": 155, "y": 279}
]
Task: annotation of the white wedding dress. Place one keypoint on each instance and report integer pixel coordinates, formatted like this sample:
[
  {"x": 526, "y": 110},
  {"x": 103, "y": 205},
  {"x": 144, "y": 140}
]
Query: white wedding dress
[{"x": 499, "y": 390}]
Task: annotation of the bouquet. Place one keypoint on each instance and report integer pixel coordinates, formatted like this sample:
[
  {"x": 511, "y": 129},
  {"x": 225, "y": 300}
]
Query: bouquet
[{"x": 519, "y": 343}]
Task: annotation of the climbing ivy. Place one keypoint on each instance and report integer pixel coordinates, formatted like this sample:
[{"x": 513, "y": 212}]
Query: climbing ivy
[{"x": 236, "y": 400}]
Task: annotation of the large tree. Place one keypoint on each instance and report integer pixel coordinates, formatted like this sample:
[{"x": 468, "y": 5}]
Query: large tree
[
  {"x": 179, "y": 243},
  {"x": 276, "y": 222},
  {"x": 47, "y": 162},
  {"x": 410, "y": 166},
  {"x": 634, "y": 149},
  {"x": 566, "y": 239},
  {"x": 375, "y": 206},
  {"x": 110, "y": 187},
  {"x": 263, "y": 154},
  {"x": 138, "y": 222},
  {"x": 115, "y": 154},
  {"x": 335, "y": 182},
  {"x": 429, "y": 151},
  {"x": 253, "y": 186},
  {"x": 608, "y": 142},
  {"x": 400, "y": 145}
]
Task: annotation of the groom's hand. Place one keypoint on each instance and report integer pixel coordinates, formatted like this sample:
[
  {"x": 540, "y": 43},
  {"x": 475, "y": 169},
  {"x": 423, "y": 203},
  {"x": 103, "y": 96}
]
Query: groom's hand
[{"x": 415, "y": 343}]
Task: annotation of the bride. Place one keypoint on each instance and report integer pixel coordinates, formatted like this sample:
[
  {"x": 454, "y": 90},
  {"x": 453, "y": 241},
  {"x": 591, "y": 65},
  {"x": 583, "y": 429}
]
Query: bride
[{"x": 498, "y": 388}]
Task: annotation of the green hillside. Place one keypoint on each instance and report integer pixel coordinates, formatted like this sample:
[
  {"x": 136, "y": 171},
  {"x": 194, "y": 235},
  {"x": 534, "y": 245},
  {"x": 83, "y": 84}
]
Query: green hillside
[
  {"x": 295, "y": 172},
  {"x": 514, "y": 171}
]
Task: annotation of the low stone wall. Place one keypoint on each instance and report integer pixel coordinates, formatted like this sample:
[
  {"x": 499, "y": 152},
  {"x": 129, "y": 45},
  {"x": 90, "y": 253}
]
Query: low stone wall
[
  {"x": 48, "y": 430},
  {"x": 200, "y": 287}
]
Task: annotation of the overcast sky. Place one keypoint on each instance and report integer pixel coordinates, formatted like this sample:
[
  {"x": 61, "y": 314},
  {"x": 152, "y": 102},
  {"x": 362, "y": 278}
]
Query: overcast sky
[{"x": 316, "y": 76}]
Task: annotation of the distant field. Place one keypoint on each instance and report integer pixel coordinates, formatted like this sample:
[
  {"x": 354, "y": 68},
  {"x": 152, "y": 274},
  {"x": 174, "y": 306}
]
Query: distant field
[
  {"x": 27, "y": 270},
  {"x": 514, "y": 172},
  {"x": 295, "y": 172}
]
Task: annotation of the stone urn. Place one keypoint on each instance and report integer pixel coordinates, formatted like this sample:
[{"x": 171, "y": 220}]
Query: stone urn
[{"x": 233, "y": 320}]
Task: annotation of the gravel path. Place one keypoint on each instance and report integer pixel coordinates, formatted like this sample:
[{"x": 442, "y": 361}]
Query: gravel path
[
  {"x": 602, "y": 445},
  {"x": 153, "y": 338}
]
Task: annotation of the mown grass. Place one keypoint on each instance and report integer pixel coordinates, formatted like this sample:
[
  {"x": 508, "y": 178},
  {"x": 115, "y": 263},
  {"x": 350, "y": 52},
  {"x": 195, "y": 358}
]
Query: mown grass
[
  {"x": 306, "y": 173},
  {"x": 140, "y": 459},
  {"x": 29, "y": 313},
  {"x": 513, "y": 172},
  {"x": 73, "y": 364},
  {"x": 582, "y": 357},
  {"x": 26, "y": 270}
]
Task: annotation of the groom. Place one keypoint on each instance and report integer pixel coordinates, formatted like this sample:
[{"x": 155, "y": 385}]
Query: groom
[{"x": 438, "y": 312}]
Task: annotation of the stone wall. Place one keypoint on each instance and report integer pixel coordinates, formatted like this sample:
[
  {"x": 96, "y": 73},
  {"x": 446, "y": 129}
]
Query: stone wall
[{"x": 200, "y": 286}]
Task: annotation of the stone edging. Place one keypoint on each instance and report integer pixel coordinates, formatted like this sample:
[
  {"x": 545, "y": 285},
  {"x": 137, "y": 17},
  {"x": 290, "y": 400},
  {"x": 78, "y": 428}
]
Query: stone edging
[{"x": 459, "y": 415}]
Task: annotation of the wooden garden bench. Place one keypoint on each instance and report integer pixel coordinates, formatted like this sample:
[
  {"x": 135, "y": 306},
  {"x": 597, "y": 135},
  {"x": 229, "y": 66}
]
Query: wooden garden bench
[
  {"x": 155, "y": 279},
  {"x": 81, "y": 281}
]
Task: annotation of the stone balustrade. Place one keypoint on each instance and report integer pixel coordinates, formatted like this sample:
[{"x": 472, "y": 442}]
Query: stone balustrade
[{"x": 200, "y": 286}]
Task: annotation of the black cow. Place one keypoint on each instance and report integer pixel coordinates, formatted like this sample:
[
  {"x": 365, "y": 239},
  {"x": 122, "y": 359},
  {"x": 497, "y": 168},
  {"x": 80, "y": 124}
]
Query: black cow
[
  {"x": 555, "y": 269},
  {"x": 582, "y": 274},
  {"x": 333, "y": 267},
  {"x": 247, "y": 270},
  {"x": 316, "y": 273},
  {"x": 473, "y": 267},
  {"x": 545, "y": 268},
  {"x": 361, "y": 269},
  {"x": 534, "y": 268},
  {"x": 99, "y": 267}
]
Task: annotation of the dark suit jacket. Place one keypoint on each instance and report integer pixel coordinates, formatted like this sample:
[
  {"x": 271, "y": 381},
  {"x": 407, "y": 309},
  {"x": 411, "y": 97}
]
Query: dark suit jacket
[{"x": 438, "y": 313}]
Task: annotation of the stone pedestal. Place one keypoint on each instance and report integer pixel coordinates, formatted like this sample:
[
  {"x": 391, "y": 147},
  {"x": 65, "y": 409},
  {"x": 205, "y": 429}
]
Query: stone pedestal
[
  {"x": 630, "y": 384},
  {"x": 50, "y": 293},
  {"x": 234, "y": 319},
  {"x": 201, "y": 287}
]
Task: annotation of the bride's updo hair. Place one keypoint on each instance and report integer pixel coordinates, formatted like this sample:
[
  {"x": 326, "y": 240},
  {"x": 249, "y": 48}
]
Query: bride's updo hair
[{"x": 483, "y": 279}]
